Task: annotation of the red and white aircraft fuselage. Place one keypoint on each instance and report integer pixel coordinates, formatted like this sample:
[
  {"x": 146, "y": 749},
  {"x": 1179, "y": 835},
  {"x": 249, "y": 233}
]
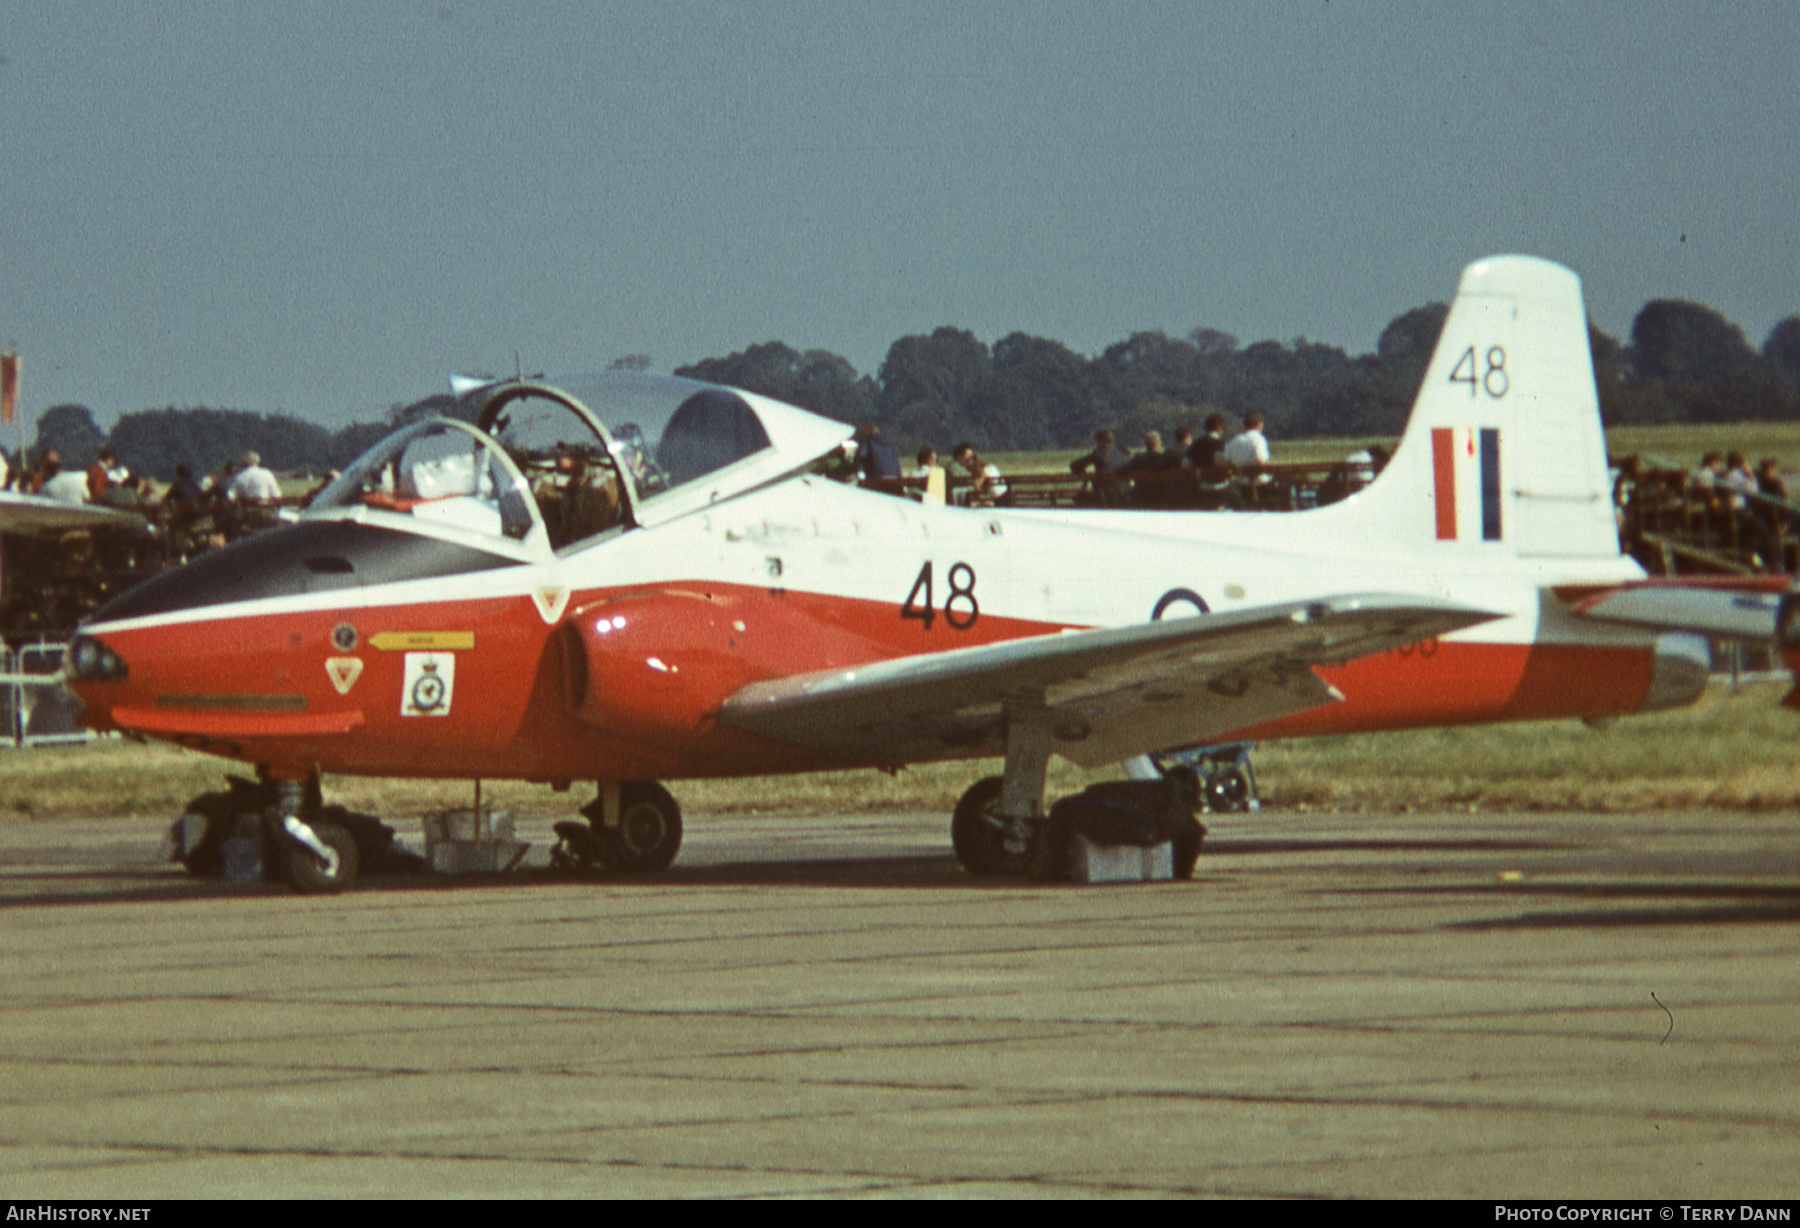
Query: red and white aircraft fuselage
[{"x": 628, "y": 579}]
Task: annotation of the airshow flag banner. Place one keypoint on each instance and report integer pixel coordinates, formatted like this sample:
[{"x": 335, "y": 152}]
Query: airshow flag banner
[{"x": 9, "y": 385}]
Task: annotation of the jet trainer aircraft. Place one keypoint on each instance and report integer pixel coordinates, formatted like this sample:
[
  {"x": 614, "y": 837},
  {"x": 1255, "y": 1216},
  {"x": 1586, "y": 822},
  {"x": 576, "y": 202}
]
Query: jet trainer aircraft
[{"x": 627, "y": 579}]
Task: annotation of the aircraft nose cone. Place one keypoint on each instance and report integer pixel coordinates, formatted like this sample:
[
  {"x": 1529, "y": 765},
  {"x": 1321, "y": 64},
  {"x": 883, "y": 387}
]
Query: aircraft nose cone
[{"x": 90, "y": 660}]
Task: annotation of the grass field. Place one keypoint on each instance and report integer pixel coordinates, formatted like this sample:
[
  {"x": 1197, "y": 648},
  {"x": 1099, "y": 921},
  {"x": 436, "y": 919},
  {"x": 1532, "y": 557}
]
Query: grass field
[
  {"x": 1734, "y": 749},
  {"x": 1686, "y": 444}
]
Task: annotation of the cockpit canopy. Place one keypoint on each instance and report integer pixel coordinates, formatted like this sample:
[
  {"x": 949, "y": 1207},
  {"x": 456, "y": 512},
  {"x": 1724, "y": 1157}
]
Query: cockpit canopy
[
  {"x": 438, "y": 471},
  {"x": 555, "y": 463}
]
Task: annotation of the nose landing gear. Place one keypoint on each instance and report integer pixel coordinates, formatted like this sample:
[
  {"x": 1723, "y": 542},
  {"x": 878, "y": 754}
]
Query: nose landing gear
[
  {"x": 325, "y": 864},
  {"x": 280, "y": 830}
]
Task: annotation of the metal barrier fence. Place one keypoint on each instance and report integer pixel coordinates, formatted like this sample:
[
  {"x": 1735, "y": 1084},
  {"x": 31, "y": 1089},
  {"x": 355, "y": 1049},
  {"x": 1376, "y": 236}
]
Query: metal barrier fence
[{"x": 36, "y": 709}]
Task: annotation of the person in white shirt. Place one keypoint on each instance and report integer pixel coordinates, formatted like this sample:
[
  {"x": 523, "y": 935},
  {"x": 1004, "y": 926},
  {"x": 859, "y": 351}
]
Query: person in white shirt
[
  {"x": 987, "y": 486},
  {"x": 1739, "y": 480},
  {"x": 1248, "y": 456},
  {"x": 65, "y": 486},
  {"x": 253, "y": 484},
  {"x": 931, "y": 474},
  {"x": 1248, "y": 450}
]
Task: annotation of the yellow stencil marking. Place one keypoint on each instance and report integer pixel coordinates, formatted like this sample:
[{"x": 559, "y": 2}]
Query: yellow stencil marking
[{"x": 422, "y": 641}]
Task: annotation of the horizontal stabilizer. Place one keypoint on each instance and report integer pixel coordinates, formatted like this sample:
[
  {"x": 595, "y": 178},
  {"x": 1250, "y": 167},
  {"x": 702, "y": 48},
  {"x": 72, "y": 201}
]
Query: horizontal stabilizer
[
  {"x": 1108, "y": 694},
  {"x": 1725, "y": 608}
]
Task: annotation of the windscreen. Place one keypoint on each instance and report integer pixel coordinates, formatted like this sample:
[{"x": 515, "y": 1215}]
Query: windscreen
[{"x": 442, "y": 472}]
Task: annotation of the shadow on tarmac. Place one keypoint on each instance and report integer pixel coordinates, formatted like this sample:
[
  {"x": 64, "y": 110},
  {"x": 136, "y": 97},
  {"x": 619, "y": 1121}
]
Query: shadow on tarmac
[
  {"x": 139, "y": 883},
  {"x": 1683, "y": 904},
  {"x": 1733, "y": 905}
]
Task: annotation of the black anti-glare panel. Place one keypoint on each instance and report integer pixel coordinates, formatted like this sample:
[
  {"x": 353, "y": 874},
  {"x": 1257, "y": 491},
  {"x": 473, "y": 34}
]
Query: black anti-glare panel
[{"x": 309, "y": 557}]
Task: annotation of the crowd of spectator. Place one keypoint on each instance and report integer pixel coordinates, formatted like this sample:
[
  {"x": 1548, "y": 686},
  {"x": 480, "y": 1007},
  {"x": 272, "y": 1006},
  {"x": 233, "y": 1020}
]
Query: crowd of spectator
[
  {"x": 1724, "y": 507},
  {"x": 1722, "y": 515},
  {"x": 54, "y": 580},
  {"x": 108, "y": 482},
  {"x": 1211, "y": 471},
  {"x": 190, "y": 513}
]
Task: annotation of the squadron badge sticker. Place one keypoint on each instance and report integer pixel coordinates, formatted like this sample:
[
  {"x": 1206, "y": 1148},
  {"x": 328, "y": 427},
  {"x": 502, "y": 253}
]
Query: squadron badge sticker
[{"x": 429, "y": 683}]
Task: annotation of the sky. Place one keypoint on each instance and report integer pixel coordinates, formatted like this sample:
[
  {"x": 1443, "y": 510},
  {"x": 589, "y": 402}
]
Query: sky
[{"x": 324, "y": 209}]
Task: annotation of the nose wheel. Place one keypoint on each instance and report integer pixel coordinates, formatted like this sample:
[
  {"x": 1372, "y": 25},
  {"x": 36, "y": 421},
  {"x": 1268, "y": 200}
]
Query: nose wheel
[
  {"x": 312, "y": 872},
  {"x": 318, "y": 857},
  {"x": 276, "y": 830}
]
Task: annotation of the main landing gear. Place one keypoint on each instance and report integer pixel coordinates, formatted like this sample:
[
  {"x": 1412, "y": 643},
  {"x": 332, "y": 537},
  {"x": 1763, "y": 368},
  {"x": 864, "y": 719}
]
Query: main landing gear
[
  {"x": 280, "y": 830},
  {"x": 633, "y": 827},
  {"x": 1001, "y": 828},
  {"x": 1121, "y": 812}
]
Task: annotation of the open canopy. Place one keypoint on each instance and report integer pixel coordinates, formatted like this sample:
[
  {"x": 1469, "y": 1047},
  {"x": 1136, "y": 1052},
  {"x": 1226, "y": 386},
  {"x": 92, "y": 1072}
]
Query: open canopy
[{"x": 552, "y": 464}]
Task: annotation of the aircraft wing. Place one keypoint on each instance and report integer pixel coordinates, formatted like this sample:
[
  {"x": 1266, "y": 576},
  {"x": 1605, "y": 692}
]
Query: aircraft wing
[
  {"x": 1108, "y": 694},
  {"x": 36, "y": 514},
  {"x": 1729, "y": 607}
]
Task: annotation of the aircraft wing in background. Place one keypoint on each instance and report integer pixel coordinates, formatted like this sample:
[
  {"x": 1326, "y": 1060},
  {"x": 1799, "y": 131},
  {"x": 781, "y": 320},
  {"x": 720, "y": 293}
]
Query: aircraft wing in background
[
  {"x": 1724, "y": 607},
  {"x": 36, "y": 514}
]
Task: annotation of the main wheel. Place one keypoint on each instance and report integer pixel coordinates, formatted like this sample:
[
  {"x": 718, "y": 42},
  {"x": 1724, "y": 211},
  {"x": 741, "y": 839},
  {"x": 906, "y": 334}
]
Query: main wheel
[
  {"x": 1228, "y": 790},
  {"x": 978, "y": 834},
  {"x": 649, "y": 832},
  {"x": 1187, "y": 849},
  {"x": 578, "y": 847},
  {"x": 308, "y": 874}
]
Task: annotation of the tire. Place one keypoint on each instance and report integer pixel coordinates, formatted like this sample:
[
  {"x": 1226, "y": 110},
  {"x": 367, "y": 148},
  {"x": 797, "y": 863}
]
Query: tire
[
  {"x": 376, "y": 850},
  {"x": 579, "y": 847},
  {"x": 218, "y": 812},
  {"x": 1052, "y": 852},
  {"x": 979, "y": 844},
  {"x": 1228, "y": 791},
  {"x": 1187, "y": 849},
  {"x": 649, "y": 832},
  {"x": 308, "y": 874}
]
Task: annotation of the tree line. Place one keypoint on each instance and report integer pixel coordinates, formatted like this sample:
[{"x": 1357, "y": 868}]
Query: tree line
[{"x": 1684, "y": 362}]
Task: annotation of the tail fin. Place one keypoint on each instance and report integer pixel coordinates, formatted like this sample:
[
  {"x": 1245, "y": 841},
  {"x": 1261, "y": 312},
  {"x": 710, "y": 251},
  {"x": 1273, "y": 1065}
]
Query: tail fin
[{"x": 1504, "y": 451}]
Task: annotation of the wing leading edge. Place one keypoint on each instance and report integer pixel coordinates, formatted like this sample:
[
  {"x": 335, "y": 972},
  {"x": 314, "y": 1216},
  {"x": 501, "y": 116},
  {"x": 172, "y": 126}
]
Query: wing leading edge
[{"x": 1107, "y": 694}]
